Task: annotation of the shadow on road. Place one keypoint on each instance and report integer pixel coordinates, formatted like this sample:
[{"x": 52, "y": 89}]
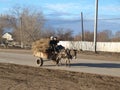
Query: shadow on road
[{"x": 99, "y": 65}]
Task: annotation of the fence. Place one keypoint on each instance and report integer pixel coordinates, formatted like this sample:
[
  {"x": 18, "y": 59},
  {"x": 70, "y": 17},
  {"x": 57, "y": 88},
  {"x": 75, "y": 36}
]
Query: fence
[{"x": 89, "y": 46}]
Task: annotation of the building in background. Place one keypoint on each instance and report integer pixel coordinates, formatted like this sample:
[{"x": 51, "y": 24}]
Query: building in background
[{"x": 7, "y": 36}]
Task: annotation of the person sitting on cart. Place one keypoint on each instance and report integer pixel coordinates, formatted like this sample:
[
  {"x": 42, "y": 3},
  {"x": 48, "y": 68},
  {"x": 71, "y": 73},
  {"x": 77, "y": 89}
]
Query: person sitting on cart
[
  {"x": 56, "y": 41},
  {"x": 51, "y": 43}
]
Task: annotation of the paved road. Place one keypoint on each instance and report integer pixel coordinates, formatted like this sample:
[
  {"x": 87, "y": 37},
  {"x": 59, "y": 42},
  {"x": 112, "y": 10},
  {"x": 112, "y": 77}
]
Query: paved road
[{"x": 111, "y": 68}]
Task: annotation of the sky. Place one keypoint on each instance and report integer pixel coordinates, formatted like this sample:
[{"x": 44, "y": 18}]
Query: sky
[{"x": 108, "y": 10}]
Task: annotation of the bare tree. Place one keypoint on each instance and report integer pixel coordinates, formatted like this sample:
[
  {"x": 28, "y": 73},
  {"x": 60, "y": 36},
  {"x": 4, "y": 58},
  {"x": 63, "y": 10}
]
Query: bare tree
[
  {"x": 64, "y": 34},
  {"x": 48, "y": 32},
  {"x": 78, "y": 37},
  {"x": 104, "y": 36},
  {"x": 27, "y": 24},
  {"x": 1, "y": 32},
  {"x": 117, "y": 34},
  {"x": 3, "y": 24},
  {"x": 116, "y": 38},
  {"x": 88, "y": 36}
]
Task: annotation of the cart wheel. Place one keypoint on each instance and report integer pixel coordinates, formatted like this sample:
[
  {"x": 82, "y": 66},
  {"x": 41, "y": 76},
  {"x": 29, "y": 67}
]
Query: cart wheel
[{"x": 40, "y": 61}]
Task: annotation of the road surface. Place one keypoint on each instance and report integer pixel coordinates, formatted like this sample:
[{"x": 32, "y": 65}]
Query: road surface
[{"x": 111, "y": 68}]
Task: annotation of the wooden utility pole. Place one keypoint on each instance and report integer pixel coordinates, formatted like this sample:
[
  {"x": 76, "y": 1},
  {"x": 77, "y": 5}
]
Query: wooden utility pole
[
  {"x": 82, "y": 26},
  {"x": 95, "y": 26},
  {"x": 21, "y": 33}
]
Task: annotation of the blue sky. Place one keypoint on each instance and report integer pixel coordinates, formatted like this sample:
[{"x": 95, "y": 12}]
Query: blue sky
[{"x": 69, "y": 9}]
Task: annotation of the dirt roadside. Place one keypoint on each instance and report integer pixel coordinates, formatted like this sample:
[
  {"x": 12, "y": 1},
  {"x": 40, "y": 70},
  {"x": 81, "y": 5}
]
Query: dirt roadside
[
  {"x": 100, "y": 56},
  {"x": 18, "y": 77}
]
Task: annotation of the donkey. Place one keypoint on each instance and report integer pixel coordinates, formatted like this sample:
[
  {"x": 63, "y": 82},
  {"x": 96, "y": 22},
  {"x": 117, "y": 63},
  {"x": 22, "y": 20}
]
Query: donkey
[
  {"x": 73, "y": 53},
  {"x": 65, "y": 55}
]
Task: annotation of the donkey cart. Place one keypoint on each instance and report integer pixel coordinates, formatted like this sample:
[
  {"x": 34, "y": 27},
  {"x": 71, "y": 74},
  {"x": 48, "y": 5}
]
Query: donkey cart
[
  {"x": 43, "y": 52},
  {"x": 42, "y": 56}
]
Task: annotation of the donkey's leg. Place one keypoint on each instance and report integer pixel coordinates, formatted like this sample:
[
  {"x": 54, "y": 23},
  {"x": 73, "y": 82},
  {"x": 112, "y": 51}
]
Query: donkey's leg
[
  {"x": 67, "y": 62},
  {"x": 60, "y": 61}
]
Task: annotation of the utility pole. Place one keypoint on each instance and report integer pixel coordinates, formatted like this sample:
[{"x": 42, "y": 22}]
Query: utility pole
[
  {"x": 21, "y": 42},
  {"x": 95, "y": 26},
  {"x": 82, "y": 26}
]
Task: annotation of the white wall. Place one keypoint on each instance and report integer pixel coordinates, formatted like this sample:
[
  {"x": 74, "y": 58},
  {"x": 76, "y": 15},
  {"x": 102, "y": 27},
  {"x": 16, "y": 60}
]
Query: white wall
[{"x": 89, "y": 46}]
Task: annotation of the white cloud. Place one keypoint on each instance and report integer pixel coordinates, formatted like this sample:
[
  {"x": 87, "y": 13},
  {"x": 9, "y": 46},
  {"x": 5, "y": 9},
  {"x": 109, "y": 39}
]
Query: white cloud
[
  {"x": 66, "y": 10},
  {"x": 110, "y": 8},
  {"x": 59, "y": 7},
  {"x": 109, "y": 12},
  {"x": 66, "y": 7}
]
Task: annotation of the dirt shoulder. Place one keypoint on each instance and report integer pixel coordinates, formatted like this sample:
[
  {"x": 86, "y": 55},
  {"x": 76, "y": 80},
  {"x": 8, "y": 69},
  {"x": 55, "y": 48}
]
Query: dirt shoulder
[
  {"x": 22, "y": 51},
  {"x": 17, "y": 77},
  {"x": 99, "y": 56}
]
